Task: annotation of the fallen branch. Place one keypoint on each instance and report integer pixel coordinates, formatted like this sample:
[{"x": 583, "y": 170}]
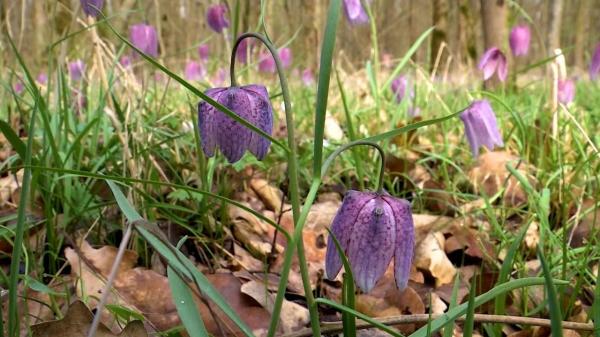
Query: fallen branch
[{"x": 333, "y": 327}]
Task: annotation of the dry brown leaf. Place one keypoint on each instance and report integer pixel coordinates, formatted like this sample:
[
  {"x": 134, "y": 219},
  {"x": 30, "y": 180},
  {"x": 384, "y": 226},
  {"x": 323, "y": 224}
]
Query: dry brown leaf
[
  {"x": 490, "y": 175},
  {"x": 270, "y": 195},
  {"x": 77, "y": 322},
  {"x": 292, "y": 316},
  {"x": 9, "y": 185},
  {"x": 430, "y": 256},
  {"x": 532, "y": 236}
]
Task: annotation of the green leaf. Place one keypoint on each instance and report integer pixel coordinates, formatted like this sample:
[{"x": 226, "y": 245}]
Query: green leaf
[
  {"x": 348, "y": 300},
  {"x": 186, "y": 307},
  {"x": 124, "y": 313},
  {"x": 14, "y": 140},
  {"x": 553, "y": 304}
]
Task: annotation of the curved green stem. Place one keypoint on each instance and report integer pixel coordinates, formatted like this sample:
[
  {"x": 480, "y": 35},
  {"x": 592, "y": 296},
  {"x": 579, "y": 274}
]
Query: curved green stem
[
  {"x": 294, "y": 188},
  {"x": 343, "y": 148}
]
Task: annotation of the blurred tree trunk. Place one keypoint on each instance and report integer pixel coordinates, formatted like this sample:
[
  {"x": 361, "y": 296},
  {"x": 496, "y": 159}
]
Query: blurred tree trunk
[
  {"x": 440, "y": 33},
  {"x": 581, "y": 32},
  {"x": 554, "y": 24},
  {"x": 493, "y": 17},
  {"x": 310, "y": 21}
]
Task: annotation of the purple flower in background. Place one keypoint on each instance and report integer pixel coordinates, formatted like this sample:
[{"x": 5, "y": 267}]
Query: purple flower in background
[
  {"x": 243, "y": 49},
  {"x": 355, "y": 12},
  {"x": 42, "y": 78},
  {"x": 481, "y": 126},
  {"x": 595, "y": 64},
  {"x": 266, "y": 63},
  {"x": 125, "y": 61},
  {"x": 220, "y": 76},
  {"x": 92, "y": 7},
  {"x": 371, "y": 229},
  {"x": 144, "y": 38},
  {"x": 19, "y": 87},
  {"x": 308, "y": 78},
  {"x": 76, "y": 70},
  {"x": 194, "y": 71},
  {"x": 566, "y": 91},
  {"x": 398, "y": 86},
  {"x": 519, "y": 40},
  {"x": 203, "y": 52},
  {"x": 216, "y": 17},
  {"x": 493, "y": 60},
  {"x": 250, "y": 102},
  {"x": 285, "y": 54},
  {"x": 414, "y": 111}
]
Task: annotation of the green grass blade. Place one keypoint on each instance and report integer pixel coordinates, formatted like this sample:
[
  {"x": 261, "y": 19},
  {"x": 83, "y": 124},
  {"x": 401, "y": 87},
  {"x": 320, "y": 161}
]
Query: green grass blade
[
  {"x": 14, "y": 140},
  {"x": 596, "y": 306},
  {"x": 186, "y": 307},
  {"x": 553, "y": 304},
  {"x": 327, "y": 48},
  {"x": 449, "y": 328},
  {"x": 360, "y": 315},
  {"x": 407, "y": 56},
  {"x": 199, "y": 93},
  {"x": 470, "y": 318},
  {"x": 460, "y": 310},
  {"x": 348, "y": 299}
]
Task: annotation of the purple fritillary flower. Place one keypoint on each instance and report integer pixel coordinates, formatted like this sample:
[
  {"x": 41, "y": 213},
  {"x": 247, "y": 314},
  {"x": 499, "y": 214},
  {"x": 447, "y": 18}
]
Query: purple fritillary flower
[
  {"x": 285, "y": 54},
  {"x": 414, "y": 111},
  {"x": 566, "y": 91},
  {"x": 42, "y": 78},
  {"x": 217, "y": 130},
  {"x": 144, "y": 38},
  {"x": 92, "y": 7},
  {"x": 125, "y": 61},
  {"x": 371, "y": 229},
  {"x": 398, "y": 86},
  {"x": 204, "y": 51},
  {"x": 76, "y": 70},
  {"x": 216, "y": 17},
  {"x": 194, "y": 71},
  {"x": 481, "y": 126},
  {"x": 308, "y": 78},
  {"x": 19, "y": 87},
  {"x": 355, "y": 12},
  {"x": 493, "y": 60},
  {"x": 266, "y": 63},
  {"x": 519, "y": 39},
  {"x": 220, "y": 77},
  {"x": 244, "y": 48},
  {"x": 595, "y": 64}
]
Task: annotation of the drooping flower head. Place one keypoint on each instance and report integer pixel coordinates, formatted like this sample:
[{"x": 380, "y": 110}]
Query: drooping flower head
[
  {"x": 217, "y": 130},
  {"x": 285, "y": 54},
  {"x": 519, "y": 39},
  {"x": 493, "y": 61},
  {"x": 398, "y": 87},
  {"x": 266, "y": 63},
  {"x": 125, "y": 61},
  {"x": 194, "y": 71},
  {"x": 355, "y": 12},
  {"x": 371, "y": 229},
  {"x": 216, "y": 17},
  {"x": 566, "y": 91},
  {"x": 42, "y": 78},
  {"x": 92, "y": 7},
  {"x": 595, "y": 63},
  {"x": 204, "y": 52},
  {"x": 76, "y": 70},
  {"x": 144, "y": 38},
  {"x": 481, "y": 126},
  {"x": 308, "y": 78},
  {"x": 19, "y": 87},
  {"x": 243, "y": 50}
]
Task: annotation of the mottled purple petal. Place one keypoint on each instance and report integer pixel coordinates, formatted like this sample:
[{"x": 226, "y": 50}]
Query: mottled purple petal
[
  {"x": 493, "y": 60},
  {"x": 355, "y": 12},
  {"x": 194, "y": 71},
  {"x": 204, "y": 51},
  {"x": 481, "y": 126},
  {"x": 144, "y": 38},
  {"x": 262, "y": 117},
  {"x": 595, "y": 63},
  {"x": 207, "y": 117},
  {"x": 519, "y": 39},
  {"x": 405, "y": 239},
  {"x": 372, "y": 243},
  {"x": 216, "y": 17},
  {"x": 398, "y": 86},
  {"x": 502, "y": 67},
  {"x": 266, "y": 63},
  {"x": 233, "y": 137},
  {"x": 285, "y": 55},
  {"x": 342, "y": 226}
]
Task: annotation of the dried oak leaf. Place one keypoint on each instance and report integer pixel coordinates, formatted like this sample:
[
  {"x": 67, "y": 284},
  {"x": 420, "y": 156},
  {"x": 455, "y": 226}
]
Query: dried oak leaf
[
  {"x": 269, "y": 194},
  {"x": 77, "y": 322},
  {"x": 430, "y": 256},
  {"x": 490, "y": 176}
]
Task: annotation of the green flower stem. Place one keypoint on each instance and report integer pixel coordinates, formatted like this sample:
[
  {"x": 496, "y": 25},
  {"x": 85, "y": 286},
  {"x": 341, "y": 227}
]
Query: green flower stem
[
  {"x": 343, "y": 148},
  {"x": 294, "y": 190}
]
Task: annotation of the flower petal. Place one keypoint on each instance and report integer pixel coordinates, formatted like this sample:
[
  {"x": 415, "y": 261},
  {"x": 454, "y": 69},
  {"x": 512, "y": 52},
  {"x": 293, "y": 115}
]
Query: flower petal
[
  {"x": 502, "y": 67},
  {"x": 405, "y": 239},
  {"x": 261, "y": 115},
  {"x": 233, "y": 137},
  {"x": 372, "y": 243},
  {"x": 342, "y": 226},
  {"x": 207, "y": 115}
]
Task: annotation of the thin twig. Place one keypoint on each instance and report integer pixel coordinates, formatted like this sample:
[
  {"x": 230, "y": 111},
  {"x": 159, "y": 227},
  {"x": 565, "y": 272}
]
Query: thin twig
[{"x": 334, "y": 327}]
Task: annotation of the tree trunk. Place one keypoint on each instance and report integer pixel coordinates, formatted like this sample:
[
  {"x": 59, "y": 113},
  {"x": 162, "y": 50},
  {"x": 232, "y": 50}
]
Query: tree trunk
[
  {"x": 440, "y": 33},
  {"x": 581, "y": 32},
  {"x": 493, "y": 16},
  {"x": 554, "y": 24}
]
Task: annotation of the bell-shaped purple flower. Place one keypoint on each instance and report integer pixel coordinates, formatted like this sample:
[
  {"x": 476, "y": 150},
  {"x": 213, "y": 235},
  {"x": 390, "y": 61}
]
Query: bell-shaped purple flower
[
  {"x": 371, "y": 229},
  {"x": 243, "y": 50},
  {"x": 266, "y": 62},
  {"x": 42, "y": 78},
  {"x": 19, "y": 87},
  {"x": 308, "y": 78},
  {"x": 76, "y": 70},
  {"x": 519, "y": 39},
  {"x": 398, "y": 87},
  {"x": 216, "y": 17},
  {"x": 566, "y": 91},
  {"x": 285, "y": 54},
  {"x": 595, "y": 63},
  {"x": 125, "y": 61},
  {"x": 204, "y": 52},
  {"x": 194, "y": 71},
  {"x": 92, "y": 7},
  {"x": 481, "y": 126},
  {"x": 355, "y": 12},
  {"x": 493, "y": 60},
  {"x": 250, "y": 102},
  {"x": 144, "y": 38}
]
